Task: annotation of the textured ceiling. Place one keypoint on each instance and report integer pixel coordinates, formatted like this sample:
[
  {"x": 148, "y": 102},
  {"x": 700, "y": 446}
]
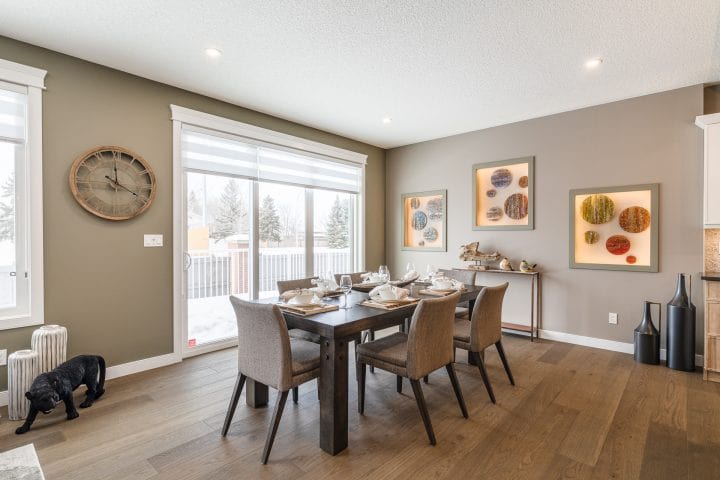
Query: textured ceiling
[{"x": 436, "y": 68}]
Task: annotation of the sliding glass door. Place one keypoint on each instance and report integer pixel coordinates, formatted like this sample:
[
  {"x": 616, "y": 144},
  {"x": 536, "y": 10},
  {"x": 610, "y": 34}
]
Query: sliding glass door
[{"x": 217, "y": 255}]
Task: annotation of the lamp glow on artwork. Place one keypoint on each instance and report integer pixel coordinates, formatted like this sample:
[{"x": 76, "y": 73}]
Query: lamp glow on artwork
[
  {"x": 424, "y": 224},
  {"x": 614, "y": 228},
  {"x": 503, "y": 195}
]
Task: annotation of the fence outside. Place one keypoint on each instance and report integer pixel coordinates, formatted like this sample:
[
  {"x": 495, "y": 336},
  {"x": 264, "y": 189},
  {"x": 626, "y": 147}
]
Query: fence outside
[{"x": 226, "y": 272}]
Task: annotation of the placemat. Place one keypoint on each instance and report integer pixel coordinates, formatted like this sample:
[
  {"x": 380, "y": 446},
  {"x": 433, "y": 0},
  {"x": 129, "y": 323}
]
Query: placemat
[
  {"x": 391, "y": 306},
  {"x": 298, "y": 310}
]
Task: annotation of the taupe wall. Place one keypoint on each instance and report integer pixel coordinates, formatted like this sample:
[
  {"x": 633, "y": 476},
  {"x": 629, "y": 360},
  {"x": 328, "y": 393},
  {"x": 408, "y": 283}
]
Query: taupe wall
[
  {"x": 643, "y": 140},
  {"x": 115, "y": 296},
  {"x": 712, "y": 99}
]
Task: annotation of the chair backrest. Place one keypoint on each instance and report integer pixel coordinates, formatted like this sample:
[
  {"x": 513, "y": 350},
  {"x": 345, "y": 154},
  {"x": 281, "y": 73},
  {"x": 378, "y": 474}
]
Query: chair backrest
[
  {"x": 465, "y": 276},
  {"x": 485, "y": 329},
  {"x": 430, "y": 341},
  {"x": 355, "y": 277},
  {"x": 285, "y": 285},
  {"x": 263, "y": 343}
]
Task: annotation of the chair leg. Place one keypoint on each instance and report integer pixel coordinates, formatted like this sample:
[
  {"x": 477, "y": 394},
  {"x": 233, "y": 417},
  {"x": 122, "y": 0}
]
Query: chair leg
[
  {"x": 426, "y": 379},
  {"x": 295, "y": 395},
  {"x": 361, "y": 388},
  {"x": 484, "y": 375},
  {"x": 420, "y": 399},
  {"x": 277, "y": 414},
  {"x": 399, "y": 384},
  {"x": 239, "y": 383},
  {"x": 456, "y": 387},
  {"x": 503, "y": 358}
]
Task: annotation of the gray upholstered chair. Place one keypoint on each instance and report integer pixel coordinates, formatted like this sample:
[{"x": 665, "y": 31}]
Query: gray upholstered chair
[
  {"x": 427, "y": 347},
  {"x": 300, "y": 283},
  {"x": 482, "y": 330},
  {"x": 355, "y": 277},
  {"x": 267, "y": 354},
  {"x": 468, "y": 278}
]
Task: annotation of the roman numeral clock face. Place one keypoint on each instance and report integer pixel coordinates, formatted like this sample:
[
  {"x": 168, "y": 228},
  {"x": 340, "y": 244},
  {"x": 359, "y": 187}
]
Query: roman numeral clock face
[{"x": 112, "y": 183}]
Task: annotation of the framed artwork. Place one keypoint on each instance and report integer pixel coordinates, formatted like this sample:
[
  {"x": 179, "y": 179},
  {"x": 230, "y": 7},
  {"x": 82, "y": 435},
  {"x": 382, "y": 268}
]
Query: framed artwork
[
  {"x": 503, "y": 194},
  {"x": 424, "y": 224},
  {"x": 615, "y": 228}
]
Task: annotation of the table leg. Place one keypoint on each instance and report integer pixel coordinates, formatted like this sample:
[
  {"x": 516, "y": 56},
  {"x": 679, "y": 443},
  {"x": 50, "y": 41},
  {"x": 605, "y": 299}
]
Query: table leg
[
  {"x": 256, "y": 393},
  {"x": 333, "y": 395}
]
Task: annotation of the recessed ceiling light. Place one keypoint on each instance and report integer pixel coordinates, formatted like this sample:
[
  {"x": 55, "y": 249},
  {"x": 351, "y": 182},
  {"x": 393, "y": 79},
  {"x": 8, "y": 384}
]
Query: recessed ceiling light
[
  {"x": 593, "y": 63},
  {"x": 387, "y": 120},
  {"x": 213, "y": 52}
]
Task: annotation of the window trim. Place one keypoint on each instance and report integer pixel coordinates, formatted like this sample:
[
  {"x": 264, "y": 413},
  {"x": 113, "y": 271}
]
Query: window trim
[{"x": 34, "y": 80}]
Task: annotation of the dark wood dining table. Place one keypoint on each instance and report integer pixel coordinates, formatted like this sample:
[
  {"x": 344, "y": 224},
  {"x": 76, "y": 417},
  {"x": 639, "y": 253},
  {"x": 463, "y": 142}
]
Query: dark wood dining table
[{"x": 337, "y": 328}]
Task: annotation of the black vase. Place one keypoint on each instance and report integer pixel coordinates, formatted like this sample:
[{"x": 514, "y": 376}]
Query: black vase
[
  {"x": 680, "y": 326},
  {"x": 647, "y": 339}
]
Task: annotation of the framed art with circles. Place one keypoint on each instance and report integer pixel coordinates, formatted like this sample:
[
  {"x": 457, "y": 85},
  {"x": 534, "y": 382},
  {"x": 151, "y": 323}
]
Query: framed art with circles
[
  {"x": 424, "y": 224},
  {"x": 615, "y": 228},
  {"x": 503, "y": 194}
]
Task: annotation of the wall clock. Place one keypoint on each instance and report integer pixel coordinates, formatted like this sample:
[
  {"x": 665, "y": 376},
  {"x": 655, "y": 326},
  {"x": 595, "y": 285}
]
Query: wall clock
[{"x": 112, "y": 183}]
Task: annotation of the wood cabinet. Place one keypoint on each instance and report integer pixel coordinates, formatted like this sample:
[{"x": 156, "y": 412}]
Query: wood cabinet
[
  {"x": 712, "y": 330},
  {"x": 711, "y": 201}
]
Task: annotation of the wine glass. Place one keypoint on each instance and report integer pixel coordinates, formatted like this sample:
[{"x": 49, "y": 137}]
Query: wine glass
[
  {"x": 384, "y": 273},
  {"x": 346, "y": 286},
  {"x": 410, "y": 267},
  {"x": 431, "y": 270}
]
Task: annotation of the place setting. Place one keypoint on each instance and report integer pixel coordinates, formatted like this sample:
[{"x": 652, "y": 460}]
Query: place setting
[
  {"x": 304, "y": 302},
  {"x": 441, "y": 286},
  {"x": 389, "y": 297}
]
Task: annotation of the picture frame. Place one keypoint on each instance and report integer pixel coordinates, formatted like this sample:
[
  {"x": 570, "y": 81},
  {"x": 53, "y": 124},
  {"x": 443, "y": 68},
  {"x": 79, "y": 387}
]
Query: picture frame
[
  {"x": 424, "y": 221},
  {"x": 615, "y": 228},
  {"x": 503, "y": 194}
]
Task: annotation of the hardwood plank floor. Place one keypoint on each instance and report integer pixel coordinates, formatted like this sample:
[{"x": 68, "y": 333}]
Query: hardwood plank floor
[{"x": 575, "y": 413}]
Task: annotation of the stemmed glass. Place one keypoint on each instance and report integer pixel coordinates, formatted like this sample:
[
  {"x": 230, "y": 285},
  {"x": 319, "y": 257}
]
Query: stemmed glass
[
  {"x": 410, "y": 267},
  {"x": 384, "y": 273},
  {"x": 431, "y": 271},
  {"x": 345, "y": 286}
]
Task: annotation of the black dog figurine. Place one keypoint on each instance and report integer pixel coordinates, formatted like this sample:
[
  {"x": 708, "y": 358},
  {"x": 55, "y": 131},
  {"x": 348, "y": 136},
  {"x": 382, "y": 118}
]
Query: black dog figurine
[{"x": 50, "y": 388}]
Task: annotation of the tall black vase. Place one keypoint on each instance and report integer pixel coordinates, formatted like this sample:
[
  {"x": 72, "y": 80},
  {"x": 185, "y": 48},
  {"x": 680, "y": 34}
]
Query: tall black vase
[
  {"x": 681, "y": 330},
  {"x": 647, "y": 338}
]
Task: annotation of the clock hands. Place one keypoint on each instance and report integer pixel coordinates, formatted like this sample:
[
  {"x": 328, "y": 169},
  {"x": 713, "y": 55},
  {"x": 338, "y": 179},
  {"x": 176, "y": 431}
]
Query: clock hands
[{"x": 115, "y": 182}]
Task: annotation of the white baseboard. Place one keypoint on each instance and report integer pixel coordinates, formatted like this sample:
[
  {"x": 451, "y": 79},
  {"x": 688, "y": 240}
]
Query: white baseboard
[
  {"x": 602, "y": 343},
  {"x": 124, "y": 369}
]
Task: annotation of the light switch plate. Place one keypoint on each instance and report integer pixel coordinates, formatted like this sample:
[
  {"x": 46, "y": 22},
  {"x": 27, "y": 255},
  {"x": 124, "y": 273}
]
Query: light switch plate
[
  {"x": 3, "y": 357},
  {"x": 613, "y": 318},
  {"x": 153, "y": 240}
]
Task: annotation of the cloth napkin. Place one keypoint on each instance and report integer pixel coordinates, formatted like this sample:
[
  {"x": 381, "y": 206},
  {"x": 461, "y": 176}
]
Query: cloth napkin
[
  {"x": 411, "y": 275},
  {"x": 398, "y": 292},
  {"x": 455, "y": 285}
]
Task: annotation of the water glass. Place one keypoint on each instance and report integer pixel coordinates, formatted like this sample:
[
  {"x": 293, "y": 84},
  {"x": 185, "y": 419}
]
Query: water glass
[
  {"x": 345, "y": 286},
  {"x": 410, "y": 267},
  {"x": 384, "y": 273}
]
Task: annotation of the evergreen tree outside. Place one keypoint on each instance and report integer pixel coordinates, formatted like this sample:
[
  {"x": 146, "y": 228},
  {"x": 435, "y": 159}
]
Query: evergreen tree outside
[
  {"x": 194, "y": 209},
  {"x": 269, "y": 222},
  {"x": 7, "y": 209},
  {"x": 336, "y": 227},
  {"x": 231, "y": 214}
]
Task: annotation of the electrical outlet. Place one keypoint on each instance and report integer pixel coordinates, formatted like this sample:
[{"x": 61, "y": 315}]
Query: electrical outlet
[
  {"x": 3, "y": 357},
  {"x": 612, "y": 318}
]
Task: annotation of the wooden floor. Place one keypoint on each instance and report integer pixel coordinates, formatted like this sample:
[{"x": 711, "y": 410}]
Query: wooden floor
[{"x": 576, "y": 412}]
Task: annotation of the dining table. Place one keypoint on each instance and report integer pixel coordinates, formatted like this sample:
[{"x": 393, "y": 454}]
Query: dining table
[{"x": 337, "y": 329}]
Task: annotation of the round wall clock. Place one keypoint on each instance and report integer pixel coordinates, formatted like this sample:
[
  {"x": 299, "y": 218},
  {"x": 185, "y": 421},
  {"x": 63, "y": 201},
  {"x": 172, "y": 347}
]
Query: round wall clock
[{"x": 112, "y": 183}]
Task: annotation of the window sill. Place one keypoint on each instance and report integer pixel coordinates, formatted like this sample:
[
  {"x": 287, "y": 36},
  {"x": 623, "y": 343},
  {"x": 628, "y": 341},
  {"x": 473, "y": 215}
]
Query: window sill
[{"x": 19, "y": 322}]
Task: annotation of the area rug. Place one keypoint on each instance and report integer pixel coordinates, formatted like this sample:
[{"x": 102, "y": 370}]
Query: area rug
[{"x": 20, "y": 464}]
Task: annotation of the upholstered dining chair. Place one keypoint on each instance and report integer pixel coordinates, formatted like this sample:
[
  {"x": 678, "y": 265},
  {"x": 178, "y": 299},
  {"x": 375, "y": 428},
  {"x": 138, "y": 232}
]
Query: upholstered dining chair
[
  {"x": 267, "y": 354},
  {"x": 482, "y": 330},
  {"x": 468, "y": 278},
  {"x": 426, "y": 348},
  {"x": 297, "y": 284},
  {"x": 354, "y": 277}
]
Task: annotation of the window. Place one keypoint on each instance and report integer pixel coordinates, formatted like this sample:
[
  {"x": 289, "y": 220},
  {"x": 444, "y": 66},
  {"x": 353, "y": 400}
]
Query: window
[
  {"x": 21, "y": 279},
  {"x": 304, "y": 201}
]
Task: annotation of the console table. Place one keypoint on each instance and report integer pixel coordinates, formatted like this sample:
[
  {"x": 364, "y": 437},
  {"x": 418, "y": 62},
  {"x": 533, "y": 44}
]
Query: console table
[{"x": 535, "y": 301}]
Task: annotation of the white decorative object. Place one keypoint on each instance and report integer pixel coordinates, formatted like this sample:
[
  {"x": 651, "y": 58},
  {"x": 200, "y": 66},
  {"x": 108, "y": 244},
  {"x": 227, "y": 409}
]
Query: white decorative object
[
  {"x": 23, "y": 367},
  {"x": 50, "y": 342}
]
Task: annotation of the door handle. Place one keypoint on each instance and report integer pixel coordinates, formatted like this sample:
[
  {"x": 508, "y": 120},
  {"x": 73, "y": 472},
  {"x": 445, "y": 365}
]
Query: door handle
[{"x": 188, "y": 261}]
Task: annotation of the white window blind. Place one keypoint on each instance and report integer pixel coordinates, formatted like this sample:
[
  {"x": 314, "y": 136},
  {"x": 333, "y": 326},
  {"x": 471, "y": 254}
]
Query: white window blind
[
  {"x": 13, "y": 104},
  {"x": 205, "y": 150}
]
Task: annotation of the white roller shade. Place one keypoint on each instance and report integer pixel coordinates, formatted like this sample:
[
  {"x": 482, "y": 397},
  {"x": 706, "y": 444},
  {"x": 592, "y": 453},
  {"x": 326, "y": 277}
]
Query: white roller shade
[
  {"x": 205, "y": 150},
  {"x": 13, "y": 106}
]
